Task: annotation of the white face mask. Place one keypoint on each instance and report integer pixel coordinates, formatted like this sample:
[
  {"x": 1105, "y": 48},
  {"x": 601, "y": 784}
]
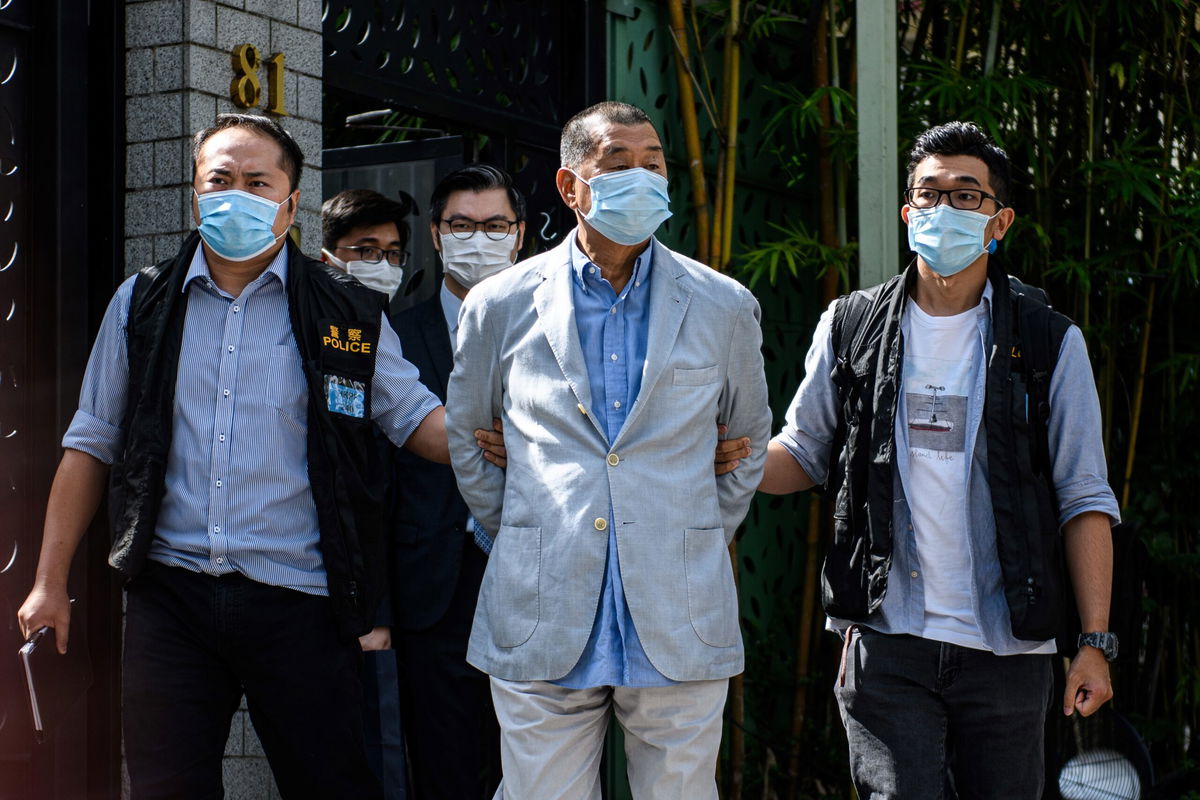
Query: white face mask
[
  {"x": 381, "y": 277},
  {"x": 471, "y": 260}
]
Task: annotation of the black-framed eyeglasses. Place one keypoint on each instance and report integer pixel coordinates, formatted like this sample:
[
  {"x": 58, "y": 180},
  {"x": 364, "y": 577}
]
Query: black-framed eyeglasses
[
  {"x": 961, "y": 198},
  {"x": 373, "y": 255},
  {"x": 463, "y": 228}
]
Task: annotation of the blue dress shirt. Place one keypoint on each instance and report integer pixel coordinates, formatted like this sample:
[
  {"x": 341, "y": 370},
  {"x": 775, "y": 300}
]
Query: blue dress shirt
[
  {"x": 613, "y": 332},
  {"x": 237, "y": 495}
]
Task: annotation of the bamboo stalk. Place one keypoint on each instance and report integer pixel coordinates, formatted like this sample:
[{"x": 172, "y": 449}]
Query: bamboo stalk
[
  {"x": 961, "y": 47},
  {"x": 1110, "y": 366},
  {"x": 737, "y": 737},
  {"x": 828, "y": 193},
  {"x": 1144, "y": 353},
  {"x": 691, "y": 131},
  {"x": 708, "y": 86},
  {"x": 716, "y": 241},
  {"x": 804, "y": 645},
  {"x": 737, "y": 706},
  {"x": 993, "y": 38},
  {"x": 1139, "y": 392},
  {"x": 718, "y": 216},
  {"x": 733, "y": 51},
  {"x": 1091, "y": 157},
  {"x": 705, "y": 93}
]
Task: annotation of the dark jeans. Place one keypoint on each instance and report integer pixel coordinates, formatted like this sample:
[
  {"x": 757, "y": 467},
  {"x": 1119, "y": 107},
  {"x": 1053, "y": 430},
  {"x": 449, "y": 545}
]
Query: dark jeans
[
  {"x": 195, "y": 643},
  {"x": 927, "y": 719}
]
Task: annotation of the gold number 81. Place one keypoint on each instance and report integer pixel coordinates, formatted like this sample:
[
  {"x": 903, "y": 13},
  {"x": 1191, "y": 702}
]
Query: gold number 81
[{"x": 246, "y": 90}]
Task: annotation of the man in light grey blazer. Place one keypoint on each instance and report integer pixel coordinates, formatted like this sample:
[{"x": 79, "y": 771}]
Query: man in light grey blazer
[{"x": 611, "y": 361}]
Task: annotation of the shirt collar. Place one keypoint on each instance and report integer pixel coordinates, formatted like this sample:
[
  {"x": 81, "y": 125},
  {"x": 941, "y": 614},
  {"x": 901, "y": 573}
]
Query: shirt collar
[
  {"x": 580, "y": 262},
  {"x": 451, "y": 305},
  {"x": 199, "y": 268}
]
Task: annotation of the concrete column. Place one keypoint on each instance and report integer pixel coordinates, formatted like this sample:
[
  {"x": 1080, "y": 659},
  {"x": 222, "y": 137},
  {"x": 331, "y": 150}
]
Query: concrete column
[
  {"x": 178, "y": 70},
  {"x": 878, "y": 169}
]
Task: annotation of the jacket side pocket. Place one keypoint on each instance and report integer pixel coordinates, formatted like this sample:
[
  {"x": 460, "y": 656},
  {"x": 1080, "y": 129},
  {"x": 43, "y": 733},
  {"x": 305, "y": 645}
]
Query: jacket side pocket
[{"x": 512, "y": 593}]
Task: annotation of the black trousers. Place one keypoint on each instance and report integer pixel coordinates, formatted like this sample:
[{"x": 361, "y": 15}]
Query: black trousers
[
  {"x": 446, "y": 704},
  {"x": 194, "y": 644}
]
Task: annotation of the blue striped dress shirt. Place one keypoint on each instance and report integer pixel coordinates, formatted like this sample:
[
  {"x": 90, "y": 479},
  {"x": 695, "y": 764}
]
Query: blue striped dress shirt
[
  {"x": 237, "y": 494},
  {"x": 613, "y": 332}
]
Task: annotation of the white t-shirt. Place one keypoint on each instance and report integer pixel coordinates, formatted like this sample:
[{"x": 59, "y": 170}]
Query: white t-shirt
[{"x": 942, "y": 359}]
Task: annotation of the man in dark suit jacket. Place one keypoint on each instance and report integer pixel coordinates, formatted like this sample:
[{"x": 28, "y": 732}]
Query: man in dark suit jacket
[{"x": 478, "y": 225}]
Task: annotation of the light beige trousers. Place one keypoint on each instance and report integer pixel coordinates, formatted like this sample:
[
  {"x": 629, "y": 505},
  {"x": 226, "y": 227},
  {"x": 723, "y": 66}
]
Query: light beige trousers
[{"x": 551, "y": 739}]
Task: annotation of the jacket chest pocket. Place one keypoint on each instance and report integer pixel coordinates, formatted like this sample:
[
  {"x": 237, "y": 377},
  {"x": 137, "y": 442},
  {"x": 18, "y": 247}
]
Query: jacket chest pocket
[{"x": 696, "y": 377}]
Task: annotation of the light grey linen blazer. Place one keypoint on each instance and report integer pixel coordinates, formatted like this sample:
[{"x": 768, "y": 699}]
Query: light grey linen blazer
[{"x": 519, "y": 359}]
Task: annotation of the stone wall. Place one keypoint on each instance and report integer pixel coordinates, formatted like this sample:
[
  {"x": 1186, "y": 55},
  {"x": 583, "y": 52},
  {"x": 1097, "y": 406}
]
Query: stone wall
[{"x": 178, "y": 69}]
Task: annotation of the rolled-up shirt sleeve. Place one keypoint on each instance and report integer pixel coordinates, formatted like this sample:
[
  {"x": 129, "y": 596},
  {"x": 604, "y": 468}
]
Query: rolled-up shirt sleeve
[
  {"x": 399, "y": 400},
  {"x": 811, "y": 420},
  {"x": 1078, "y": 467},
  {"x": 96, "y": 427}
]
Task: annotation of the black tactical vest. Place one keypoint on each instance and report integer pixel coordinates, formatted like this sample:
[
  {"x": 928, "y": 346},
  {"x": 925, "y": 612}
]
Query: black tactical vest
[
  {"x": 1027, "y": 334},
  {"x": 346, "y": 472}
]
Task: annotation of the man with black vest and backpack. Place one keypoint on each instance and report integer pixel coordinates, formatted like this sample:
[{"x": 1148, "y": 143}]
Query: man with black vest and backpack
[
  {"x": 951, "y": 417},
  {"x": 230, "y": 394}
]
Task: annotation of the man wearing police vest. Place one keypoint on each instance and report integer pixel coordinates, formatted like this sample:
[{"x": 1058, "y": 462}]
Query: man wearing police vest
[{"x": 228, "y": 401}]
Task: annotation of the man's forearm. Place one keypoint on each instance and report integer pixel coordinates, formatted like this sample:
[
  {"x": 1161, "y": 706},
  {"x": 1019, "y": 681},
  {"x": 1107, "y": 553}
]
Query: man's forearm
[
  {"x": 74, "y": 497},
  {"x": 783, "y": 473},
  {"x": 1088, "y": 542},
  {"x": 429, "y": 439}
]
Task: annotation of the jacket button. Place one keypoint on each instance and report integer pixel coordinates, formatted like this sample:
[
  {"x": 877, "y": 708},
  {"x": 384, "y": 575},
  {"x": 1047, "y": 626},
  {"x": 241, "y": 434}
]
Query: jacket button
[
  {"x": 613, "y": 459},
  {"x": 601, "y": 523}
]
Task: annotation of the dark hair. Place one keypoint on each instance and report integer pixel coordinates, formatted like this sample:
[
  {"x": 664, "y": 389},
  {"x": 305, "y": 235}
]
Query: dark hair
[
  {"x": 291, "y": 157},
  {"x": 475, "y": 178},
  {"x": 578, "y": 141},
  {"x": 964, "y": 139},
  {"x": 358, "y": 208}
]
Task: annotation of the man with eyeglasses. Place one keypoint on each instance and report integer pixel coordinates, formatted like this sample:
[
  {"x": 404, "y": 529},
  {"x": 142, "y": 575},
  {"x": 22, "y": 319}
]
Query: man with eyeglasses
[
  {"x": 364, "y": 234},
  {"x": 477, "y": 223},
  {"x": 920, "y": 414}
]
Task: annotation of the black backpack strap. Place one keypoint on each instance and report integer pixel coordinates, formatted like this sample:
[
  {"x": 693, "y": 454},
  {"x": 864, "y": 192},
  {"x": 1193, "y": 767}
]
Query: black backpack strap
[
  {"x": 1038, "y": 333},
  {"x": 849, "y": 314}
]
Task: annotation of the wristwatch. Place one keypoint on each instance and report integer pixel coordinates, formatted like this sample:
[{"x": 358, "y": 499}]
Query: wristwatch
[{"x": 1104, "y": 642}]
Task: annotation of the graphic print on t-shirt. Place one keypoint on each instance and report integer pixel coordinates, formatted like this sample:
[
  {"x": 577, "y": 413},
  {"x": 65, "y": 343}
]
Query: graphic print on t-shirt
[
  {"x": 936, "y": 403},
  {"x": 936, "y": 420}
]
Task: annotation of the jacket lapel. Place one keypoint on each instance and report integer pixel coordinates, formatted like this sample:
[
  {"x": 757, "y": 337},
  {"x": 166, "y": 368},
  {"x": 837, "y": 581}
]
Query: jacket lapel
[
  {"x": 555, "y": 307},
  {"x": 437, "y": 341},
  {"x": 670, "y": 296}
]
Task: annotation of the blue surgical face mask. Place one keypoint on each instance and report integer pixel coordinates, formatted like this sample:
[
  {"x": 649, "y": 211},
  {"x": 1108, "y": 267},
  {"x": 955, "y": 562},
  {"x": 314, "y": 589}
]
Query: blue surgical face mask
[
  {"x": 948, "y": 239},
  {"x": 237, "y": 225},
  {"x": 628, "y": 205}
]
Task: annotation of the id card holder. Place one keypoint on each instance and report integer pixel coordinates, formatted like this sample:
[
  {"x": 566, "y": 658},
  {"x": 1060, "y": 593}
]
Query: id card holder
[{"x": 347, "y": 362}]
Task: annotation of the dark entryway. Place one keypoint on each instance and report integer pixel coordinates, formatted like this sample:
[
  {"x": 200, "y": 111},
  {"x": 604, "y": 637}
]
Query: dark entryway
[
  {"x": 503, "y": 74},
  {"x": 61, "y": 179}
]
